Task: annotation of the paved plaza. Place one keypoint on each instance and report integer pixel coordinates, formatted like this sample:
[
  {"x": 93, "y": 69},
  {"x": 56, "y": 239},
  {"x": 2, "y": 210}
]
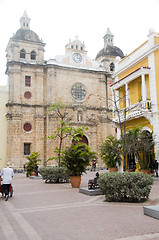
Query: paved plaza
[{"x": 40, "y": 211}]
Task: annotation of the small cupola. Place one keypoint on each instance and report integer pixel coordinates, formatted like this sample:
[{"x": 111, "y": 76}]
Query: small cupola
[
  {"x": 108, "y": 38},
  {"x": 75, "y": 45},
  {"x": 25, "y": 21}
]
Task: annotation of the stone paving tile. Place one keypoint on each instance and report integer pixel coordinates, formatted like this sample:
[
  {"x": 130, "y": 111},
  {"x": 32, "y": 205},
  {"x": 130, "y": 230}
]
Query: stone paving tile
[{"x": 58, "y": 212}]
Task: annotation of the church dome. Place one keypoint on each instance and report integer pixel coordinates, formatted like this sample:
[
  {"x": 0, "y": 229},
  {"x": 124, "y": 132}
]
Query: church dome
[
  {"x": 27, "y": 35},
  {"x": 109, "y": 48},
  {"x": 110, "y": 51},
  {"x": 24, "y": 33}
]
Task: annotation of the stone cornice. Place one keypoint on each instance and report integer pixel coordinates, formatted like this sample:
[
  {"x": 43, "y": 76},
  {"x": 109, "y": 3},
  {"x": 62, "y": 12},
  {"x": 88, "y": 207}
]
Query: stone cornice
[
  {"x": 10, "y": 104},
  {"x": 15, "y": 116},
  {"x": 69, "y": 67},
  {"x": 47, "y": 66},
  {"x": 74, "y": 107},
  {"x": 10, "y": 63},
  {"x": 83, "y": 123}
]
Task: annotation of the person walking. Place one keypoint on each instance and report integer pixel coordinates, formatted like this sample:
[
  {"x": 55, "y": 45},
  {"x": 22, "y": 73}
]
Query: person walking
[
  {"x": 93, "y": 166},
  {"x": 7, "y": 175},
  {"x": 156, "y": 168}
]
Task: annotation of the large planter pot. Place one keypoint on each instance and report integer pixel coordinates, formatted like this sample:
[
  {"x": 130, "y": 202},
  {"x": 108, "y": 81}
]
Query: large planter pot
[
  {"x": 32, "y": 174},
  {"x": 129, "y": 170},
  {"x": 146, "y": 171},
  {"x": 113, "y": 169},
  {"x": 75, "y": 181}
]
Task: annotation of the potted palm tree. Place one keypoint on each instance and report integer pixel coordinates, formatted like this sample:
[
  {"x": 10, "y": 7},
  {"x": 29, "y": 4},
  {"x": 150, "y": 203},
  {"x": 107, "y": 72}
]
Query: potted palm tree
[
  {"x": 110, "y": 153},
  {"x": 75, "y": 159},
  {"x": 32, "y": 164}
]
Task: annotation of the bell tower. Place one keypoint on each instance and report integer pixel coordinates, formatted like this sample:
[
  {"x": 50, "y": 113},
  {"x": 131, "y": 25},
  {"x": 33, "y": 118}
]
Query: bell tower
[
  {"x": 25, "y": 107},
  {"x": 25, "y": 45}
]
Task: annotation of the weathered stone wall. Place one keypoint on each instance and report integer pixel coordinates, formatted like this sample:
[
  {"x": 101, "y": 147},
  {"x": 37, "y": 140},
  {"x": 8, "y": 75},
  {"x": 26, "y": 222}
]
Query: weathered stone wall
[
  {"x": 51, "y": 83},
  {"x": 48, "y": 87}
]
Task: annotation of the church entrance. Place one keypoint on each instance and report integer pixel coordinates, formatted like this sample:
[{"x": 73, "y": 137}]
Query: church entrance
[{"x": 82, "y": 140}]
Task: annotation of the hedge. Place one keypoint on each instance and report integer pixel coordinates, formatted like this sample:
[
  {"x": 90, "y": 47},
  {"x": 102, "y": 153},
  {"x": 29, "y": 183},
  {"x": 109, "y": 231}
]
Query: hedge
[
  {"x": 125, "y": 187},
  {"x": 53, "y": 174}
]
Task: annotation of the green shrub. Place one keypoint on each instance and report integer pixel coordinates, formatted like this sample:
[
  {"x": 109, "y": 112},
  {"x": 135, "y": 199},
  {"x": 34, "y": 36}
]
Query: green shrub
[
  {"x": 125, "y": 187},
  {"x": 53, "y": 174}
]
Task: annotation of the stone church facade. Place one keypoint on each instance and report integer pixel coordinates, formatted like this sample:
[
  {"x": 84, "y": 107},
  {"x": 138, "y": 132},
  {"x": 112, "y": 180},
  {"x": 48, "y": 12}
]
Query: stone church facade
[{"x": 74, "y": 79}]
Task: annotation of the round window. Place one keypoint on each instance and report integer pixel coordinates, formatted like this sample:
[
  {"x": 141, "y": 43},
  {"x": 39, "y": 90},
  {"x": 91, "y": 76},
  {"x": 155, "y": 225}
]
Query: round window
[
  {"x": 27, "y": 95},
  {"x": 78, "y": 92},
  {"x": 27, "y": 127}
]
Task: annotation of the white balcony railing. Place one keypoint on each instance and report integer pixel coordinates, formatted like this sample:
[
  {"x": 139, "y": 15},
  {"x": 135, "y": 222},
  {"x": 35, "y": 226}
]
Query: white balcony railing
[{"x": 134, "y": 111}]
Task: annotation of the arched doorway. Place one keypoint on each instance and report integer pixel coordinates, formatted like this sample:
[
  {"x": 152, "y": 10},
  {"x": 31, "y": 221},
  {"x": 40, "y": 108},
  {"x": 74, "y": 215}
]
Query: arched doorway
[{"x": 83, "y": 139}]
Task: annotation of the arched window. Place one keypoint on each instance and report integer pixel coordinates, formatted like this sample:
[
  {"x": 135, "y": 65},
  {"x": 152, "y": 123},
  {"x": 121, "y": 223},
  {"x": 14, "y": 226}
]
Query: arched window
[
  {"x": 112, "y": 66},
  {"x": 22, "y": 53},
  {"x": 83, "y": 139},
  {"x": 33, "y": 55}
]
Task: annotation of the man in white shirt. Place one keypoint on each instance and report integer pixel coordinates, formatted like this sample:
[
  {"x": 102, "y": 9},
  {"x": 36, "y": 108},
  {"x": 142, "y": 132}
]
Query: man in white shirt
[{"x": 7, "y": 175}]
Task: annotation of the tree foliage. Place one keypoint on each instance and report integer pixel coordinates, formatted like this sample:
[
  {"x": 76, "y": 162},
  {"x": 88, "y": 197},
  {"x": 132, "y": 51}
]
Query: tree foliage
[
  {"x": 64, "y": 128},
  {"x": 76, "y": 158},
  {"x": 32, "y": 163},
  {"x": 111, "y": 152}
]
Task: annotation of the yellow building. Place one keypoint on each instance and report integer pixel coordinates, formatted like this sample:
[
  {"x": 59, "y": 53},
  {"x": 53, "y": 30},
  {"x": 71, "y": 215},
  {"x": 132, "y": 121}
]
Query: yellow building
[
  {"x": 3, "y": 125},
  {"x": 136, "y": 88}
]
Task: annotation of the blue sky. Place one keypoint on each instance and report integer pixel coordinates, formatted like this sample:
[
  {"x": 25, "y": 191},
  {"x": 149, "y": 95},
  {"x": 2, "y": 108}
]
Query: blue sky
[{"x": 58, "y": 21}]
